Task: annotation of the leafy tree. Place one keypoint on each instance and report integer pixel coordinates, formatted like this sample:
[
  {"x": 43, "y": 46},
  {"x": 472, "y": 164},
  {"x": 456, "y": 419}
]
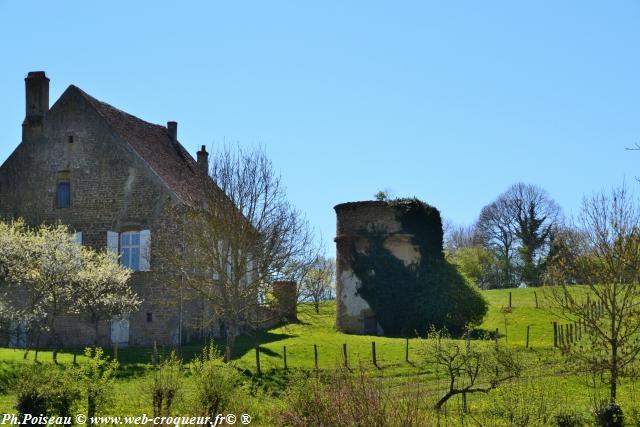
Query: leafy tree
[
  {"x": 478, "y": 264},
  {"x": 46, "y": 275},
  {"x": 319, "y": 281},
  {"x": 101, "y": 289}
]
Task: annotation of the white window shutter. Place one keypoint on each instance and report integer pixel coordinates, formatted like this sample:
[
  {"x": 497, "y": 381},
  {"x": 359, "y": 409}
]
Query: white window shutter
[
  {"x": 77, "y": 237},
  {"x": 145, "y": 250},
  {"x": 112, "y": 242}
]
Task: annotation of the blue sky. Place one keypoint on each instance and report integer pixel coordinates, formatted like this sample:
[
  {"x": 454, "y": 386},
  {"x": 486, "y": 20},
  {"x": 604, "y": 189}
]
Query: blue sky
[{"x": 451, "y": 102}]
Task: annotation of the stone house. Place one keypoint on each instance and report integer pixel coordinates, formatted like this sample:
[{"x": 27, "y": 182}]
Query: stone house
[{"x": 109, "y": 176}]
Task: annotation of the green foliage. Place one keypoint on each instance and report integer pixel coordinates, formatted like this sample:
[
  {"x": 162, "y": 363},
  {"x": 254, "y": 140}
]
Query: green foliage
[
  {"x": 479, "y": 264},
  {"x": 166, "y": 384},
  {"x": 96, "y": 377},
  {"x": 218, "y": 386},
  {"x": 51, "y": 391},
  {"x": 610, "y": 415},
  {"x": 45, "y": 274},
  {"x": 410, "y": 298}
]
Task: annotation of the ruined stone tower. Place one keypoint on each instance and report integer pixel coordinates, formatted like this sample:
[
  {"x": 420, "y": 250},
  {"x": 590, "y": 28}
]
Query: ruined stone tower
[{"x": 355, "y": 222}]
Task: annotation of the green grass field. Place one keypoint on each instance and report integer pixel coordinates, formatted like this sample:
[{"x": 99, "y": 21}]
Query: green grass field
[{"x": 318, "y": 329}]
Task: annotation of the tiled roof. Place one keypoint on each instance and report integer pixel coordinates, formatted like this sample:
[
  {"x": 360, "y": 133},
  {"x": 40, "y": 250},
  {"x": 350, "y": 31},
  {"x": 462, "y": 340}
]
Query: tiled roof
[{"x": 168, "y": 159}]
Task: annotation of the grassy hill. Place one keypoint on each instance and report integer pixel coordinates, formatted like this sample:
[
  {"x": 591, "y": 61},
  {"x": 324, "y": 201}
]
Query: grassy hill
[{"x": 318, "y": 329}]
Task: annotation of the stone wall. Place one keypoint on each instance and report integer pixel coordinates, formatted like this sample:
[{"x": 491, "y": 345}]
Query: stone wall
[
  {"x": 112, "y": 189},
  {"x": 355, "y": 221}
]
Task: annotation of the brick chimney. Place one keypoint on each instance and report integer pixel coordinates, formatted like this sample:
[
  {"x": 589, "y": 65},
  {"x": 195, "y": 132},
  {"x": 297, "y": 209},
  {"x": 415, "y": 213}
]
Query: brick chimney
[
  {"x": 203, "y": 160},
  {"x": 36, "y": 102},
  {"x": 172, "y": 127}
]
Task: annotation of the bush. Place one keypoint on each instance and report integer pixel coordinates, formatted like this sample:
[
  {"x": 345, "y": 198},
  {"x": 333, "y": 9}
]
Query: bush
[
  {"x": 568, "y": 419},
  {"x": 346, "y": 399},
  {"x": 217, "y": 384},
  {"x": 610, "y": 415},
  {"x": 96, "y": 376},
  {"x": 52, "y": 391},
  {"x": 165, "y": 385}
]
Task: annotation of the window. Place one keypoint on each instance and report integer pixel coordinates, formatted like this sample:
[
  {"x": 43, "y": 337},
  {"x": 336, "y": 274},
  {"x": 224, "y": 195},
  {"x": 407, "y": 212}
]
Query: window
[
  {"x": 70, "y": 139},
  {"x": 63, "y": 194},
  {"x": 134, "y": 248},
  {"x": 149, "y": 317},
  {"x": 130, "y": 250}
]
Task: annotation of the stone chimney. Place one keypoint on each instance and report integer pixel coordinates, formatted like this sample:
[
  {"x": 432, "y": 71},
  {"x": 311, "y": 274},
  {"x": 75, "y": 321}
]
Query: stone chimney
[
  {"x": 172, "y": 127},
  {"x": 36, "y": 102},
  {"x": 203, "y": 160}
]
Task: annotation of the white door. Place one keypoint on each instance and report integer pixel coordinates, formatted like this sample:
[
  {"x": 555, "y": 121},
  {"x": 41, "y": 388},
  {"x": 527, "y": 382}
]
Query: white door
[{"x": 120, "y": 332}]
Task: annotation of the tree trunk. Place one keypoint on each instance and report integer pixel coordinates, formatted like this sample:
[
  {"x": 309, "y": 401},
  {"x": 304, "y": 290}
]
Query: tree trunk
[{"x": 613, "y": 382}]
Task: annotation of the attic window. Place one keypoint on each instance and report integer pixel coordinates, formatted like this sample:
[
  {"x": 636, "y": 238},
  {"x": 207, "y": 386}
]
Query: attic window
[{"x": 70, "y": 139}]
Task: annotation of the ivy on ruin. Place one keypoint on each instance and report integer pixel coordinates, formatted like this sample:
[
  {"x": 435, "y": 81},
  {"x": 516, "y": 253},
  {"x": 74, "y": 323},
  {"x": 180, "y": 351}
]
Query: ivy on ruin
[{"x": 411, "y": 298}]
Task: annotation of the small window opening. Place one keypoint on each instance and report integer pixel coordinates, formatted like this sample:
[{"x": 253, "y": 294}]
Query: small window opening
[
  {"x": 149, "y": 317},
  {"x": 70, "y": 139}
]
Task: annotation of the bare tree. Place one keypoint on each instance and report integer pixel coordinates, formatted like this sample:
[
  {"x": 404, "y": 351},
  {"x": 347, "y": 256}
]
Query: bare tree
[
  {"x": 459, "y": 236},
  {"x": 237, "y": 240},
  {"x": 519, "y": 227},
  {"x": 319, "y": 281},
  {"x": 496, "y": 230},
  {"x": 609, "y": 308},
  {"x": 470, "y": 367}
]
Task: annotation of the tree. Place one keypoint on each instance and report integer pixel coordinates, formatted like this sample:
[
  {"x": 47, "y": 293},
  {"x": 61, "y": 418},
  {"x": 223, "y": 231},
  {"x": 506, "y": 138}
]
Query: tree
[
  {"x": 610, "y": 307},
  {"x": 459, "y": 237},
  {"x": 536, "y": 218},
  {"x": 496, "y": 231},
  {"x": 238, "y": 240},
  {"x": 101, "y": 289},
  {"x": 46, "y": 275},
  {"x": 470, "y": 367},
  {"x": 319, "y": 281},
  {"x": 478, "y": 264},
  {"x": 519, "y": 226}
]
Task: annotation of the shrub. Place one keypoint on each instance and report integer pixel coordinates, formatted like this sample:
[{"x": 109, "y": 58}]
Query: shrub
[
  {"x": 96, "y": 376},
  {"x": 568, "y": 419},
  {"x": 217, "y": 384},
  {"x": 165, "y": 385},
  {"x": 46, "y": 391},
  {"x": 347, "y": 399},
  {"x": 610, "y": 415}
]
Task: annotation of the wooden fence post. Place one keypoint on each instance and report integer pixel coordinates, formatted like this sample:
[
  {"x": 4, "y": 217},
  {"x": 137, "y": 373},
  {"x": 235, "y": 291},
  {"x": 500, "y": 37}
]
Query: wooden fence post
[
  {"x": 373, "y": 353},
  {"x": 555, "y": 334},
  {"x": 344, "y": 353},
  {"x": 509, "y": 299},
  {"x": 284, "y": 353},
  {"x": 74, "y": 356},
  {"x": 227, "y": 354},
  {"x": 406, "y": 349},
  {"x": 535, "y": 295},
  {"x": 258, "y": 370},
  {"x": 315, "y": 355},
  {"x": 527, "y": 342}
]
